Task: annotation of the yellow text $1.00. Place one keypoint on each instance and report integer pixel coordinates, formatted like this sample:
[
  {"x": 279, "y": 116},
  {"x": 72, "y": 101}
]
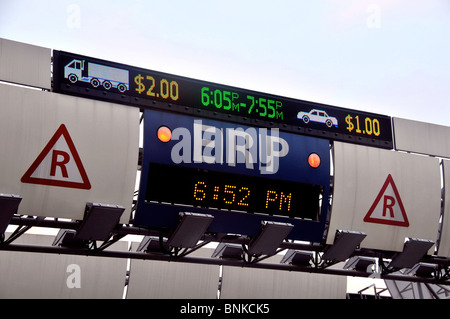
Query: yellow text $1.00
[{"x": 367, "y": 126}]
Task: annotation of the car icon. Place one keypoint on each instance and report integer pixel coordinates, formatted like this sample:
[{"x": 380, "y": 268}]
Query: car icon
[{"x": 318, "y": 116}]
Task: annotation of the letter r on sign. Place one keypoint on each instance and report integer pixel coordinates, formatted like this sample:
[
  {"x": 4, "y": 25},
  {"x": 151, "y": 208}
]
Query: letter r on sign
[{"x": 389, "y": 205}]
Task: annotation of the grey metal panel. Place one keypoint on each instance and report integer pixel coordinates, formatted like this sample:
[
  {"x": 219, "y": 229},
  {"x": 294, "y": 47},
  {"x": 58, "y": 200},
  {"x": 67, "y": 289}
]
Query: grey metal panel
[
  {"x": 242, "y": 283},
  {"x": 25, "y": 64},
  {"x": 360, "y": 174},
  {"x": 421, "y": 137},
  {"x": 444, "y": 244},
  {"x": 32, "y": 275},
  {"x": 105, "y": 136},
  {"x": 162, "y": 279}
]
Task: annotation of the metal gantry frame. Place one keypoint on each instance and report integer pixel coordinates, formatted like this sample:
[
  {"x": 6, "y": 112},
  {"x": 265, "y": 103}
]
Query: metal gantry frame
[{"x": 315, "y": 264}]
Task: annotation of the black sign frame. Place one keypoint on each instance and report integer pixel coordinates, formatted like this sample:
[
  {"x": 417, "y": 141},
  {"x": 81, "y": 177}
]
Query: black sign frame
[{"x": 152, "y": 89}]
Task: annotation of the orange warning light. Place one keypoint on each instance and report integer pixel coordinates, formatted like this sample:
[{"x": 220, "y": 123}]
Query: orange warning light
[
  {"x": 314, "y": 160},
  {"x": 164, "y": 134}
]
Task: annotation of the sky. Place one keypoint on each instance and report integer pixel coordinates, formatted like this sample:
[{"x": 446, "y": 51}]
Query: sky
[{"x": 381, "y": 56}]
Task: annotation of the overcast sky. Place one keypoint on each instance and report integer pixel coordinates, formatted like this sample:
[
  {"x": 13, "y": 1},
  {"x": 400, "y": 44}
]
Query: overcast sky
[{"x": 382, "y": 56}]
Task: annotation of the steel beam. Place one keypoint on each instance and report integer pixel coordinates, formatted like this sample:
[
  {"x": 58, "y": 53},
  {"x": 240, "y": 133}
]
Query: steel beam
[{"x": 208, "y": 261}]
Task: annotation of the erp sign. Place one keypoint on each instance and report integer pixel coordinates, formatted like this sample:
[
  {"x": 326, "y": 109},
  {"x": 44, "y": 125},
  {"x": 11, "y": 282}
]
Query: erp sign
[{"x": 241, "y": 175}]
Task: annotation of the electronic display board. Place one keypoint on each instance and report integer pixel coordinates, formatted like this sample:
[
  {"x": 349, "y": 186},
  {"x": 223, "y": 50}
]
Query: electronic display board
[
  {"x": 241, "y": 175},
  {"x": 120, "y": 83},
  {"x": 208, "y": 188}
]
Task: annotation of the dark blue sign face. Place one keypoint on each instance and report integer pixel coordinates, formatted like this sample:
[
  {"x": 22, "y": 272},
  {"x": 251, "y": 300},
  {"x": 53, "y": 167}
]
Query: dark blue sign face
[{"x": 241, "y": 175}]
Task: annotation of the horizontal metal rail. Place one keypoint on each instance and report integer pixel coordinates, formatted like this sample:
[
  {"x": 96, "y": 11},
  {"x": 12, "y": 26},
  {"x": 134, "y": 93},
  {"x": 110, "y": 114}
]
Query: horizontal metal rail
[
  {"x": 106, "y": 250},
  {"x": 208, "y": 261}
]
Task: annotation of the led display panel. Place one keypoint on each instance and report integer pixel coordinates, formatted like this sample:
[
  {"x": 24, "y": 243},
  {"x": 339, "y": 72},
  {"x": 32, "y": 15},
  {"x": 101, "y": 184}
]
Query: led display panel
[
  {"x": 208, "y": 188},
  {"x": 90, "y": 77}
]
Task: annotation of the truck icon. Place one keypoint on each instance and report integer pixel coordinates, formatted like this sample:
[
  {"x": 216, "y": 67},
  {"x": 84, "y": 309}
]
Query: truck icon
[
  {"x": 318, "y": 116},
  {"x": 96, "y": 75}
]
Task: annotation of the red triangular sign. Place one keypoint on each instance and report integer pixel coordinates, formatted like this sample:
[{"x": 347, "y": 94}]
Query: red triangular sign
[
  {"x": 58, "y": 164},
  {"x": 388, "y": 207}
]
